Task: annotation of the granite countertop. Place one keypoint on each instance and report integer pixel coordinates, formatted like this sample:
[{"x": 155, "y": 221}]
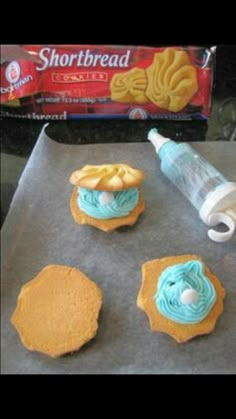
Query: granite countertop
[{"x": 18, "y": 137}]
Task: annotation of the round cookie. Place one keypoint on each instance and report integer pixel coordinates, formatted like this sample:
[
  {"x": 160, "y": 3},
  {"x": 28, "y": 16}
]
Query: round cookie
[
  {"x": 191, "y": 307},
  {"x": 107, "y": 196},
  {"x": 57, "y": 311},
  {"x": 107, "y": 177}
]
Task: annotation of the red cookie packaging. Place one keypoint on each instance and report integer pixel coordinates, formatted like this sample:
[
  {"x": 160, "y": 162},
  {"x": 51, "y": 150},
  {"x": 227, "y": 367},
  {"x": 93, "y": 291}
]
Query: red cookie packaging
[{"x": 125, "y": 82}]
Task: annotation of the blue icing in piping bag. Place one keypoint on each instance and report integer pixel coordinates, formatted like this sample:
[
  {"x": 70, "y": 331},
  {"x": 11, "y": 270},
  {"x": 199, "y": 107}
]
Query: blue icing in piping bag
[{"x": 200, "y": 182}]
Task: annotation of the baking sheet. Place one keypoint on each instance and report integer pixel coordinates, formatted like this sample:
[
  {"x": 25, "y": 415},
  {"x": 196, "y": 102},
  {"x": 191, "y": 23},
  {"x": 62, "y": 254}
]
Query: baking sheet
[{"x": 39, "y": 230}]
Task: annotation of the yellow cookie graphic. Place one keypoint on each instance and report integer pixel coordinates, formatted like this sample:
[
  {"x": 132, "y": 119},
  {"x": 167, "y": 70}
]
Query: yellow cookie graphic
[
  {"x": 172, "y": 80},
  {"x": 129, "y": 86}
]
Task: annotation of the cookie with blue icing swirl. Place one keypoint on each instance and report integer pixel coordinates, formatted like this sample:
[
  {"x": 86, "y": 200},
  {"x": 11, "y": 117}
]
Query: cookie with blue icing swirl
[
  {"x": 107, "y": 196},
  {"x": 180, "y": 280},
  {"x": 180, "y": 296}
]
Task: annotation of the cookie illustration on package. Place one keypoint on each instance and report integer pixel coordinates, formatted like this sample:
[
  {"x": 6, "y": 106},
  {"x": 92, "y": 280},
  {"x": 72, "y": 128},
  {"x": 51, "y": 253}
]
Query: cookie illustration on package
[
  {"x": 172, "y": 80},
  {"x": 129, "y": 87}
]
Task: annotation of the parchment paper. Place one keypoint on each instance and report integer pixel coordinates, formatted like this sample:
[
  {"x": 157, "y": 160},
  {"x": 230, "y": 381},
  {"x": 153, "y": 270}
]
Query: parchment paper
[{"x": 39, "y": 230}]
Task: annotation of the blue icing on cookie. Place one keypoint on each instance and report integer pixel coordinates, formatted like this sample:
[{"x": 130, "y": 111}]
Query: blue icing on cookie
[
  {"x": 173, "y": 283},
  {"x": 121, "y": 205}
]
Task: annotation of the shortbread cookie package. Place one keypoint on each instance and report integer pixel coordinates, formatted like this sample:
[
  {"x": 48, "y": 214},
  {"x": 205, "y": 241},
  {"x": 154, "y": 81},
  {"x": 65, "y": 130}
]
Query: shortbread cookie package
[{"x": 126, "y": 82}]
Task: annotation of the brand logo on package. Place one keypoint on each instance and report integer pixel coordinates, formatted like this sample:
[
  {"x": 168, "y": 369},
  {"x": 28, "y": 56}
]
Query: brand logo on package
[
  {"x": 13, "y": 72},
  {"x": 138, "y": 113}
]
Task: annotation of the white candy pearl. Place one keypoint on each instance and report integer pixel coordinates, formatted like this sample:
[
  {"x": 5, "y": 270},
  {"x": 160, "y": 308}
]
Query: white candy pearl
[
  {"x": 189, "y": 296},
  {"x": 106, "y": 197}
]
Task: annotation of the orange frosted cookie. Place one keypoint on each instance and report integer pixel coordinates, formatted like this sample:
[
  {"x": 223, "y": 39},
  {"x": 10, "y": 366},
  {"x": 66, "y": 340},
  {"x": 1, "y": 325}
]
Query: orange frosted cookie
[
  {"x": 57, "y": 311},
  {"x": 180, "y": 296}
]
